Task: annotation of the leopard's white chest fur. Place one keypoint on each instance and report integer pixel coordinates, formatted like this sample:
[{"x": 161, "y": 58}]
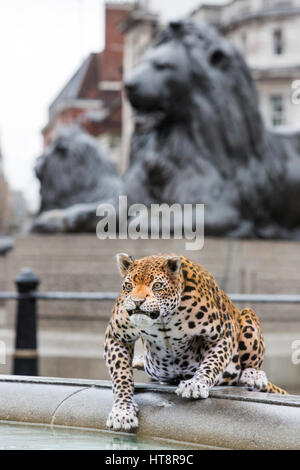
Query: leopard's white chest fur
[{"x": 169, "y": 354}]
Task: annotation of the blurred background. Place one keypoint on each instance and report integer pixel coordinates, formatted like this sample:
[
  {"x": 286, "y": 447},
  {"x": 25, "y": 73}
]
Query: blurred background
[{"x": 63, "y": 63}]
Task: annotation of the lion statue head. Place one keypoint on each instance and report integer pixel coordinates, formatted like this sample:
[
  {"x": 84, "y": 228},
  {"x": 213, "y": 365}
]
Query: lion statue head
[{"x": 200, "y": 138}]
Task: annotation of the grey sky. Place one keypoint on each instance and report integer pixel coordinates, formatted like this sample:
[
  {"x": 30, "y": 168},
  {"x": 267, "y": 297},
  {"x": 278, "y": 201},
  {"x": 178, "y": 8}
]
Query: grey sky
[{"x": 42, "y": 42}]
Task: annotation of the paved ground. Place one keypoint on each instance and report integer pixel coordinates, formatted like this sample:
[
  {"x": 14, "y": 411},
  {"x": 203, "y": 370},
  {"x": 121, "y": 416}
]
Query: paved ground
[{"x": 80, "y": 355}]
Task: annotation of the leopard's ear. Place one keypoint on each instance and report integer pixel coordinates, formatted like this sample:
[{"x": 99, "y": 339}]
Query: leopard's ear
[
  {"x": 174, "y": 264},
  {"x": 124, "y": 262}
]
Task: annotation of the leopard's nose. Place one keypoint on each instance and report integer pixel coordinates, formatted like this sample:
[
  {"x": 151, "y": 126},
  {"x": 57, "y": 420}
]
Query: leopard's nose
[{"x": 138, "y": 302}]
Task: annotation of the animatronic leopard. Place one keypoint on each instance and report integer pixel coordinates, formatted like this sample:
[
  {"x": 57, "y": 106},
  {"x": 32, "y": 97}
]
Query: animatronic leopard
[{"x": 190, "y": 329}]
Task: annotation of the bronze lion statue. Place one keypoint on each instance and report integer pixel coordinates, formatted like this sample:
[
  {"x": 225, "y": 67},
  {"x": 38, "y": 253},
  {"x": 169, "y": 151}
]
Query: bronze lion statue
[
  {"x": 75, "y": 177},
  {"x": 200, "y": 138}
]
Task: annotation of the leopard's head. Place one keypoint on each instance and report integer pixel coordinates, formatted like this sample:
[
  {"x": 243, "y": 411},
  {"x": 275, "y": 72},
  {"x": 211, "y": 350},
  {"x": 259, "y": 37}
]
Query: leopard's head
[{"x": 152, "y": 287}]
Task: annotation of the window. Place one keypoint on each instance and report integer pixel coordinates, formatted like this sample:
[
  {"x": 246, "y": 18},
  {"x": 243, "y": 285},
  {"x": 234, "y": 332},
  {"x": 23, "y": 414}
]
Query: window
[
  {"x": 244, "y": 38},
  {"x": 277, "y": 110},
  {"x": 278, "y": 42}
]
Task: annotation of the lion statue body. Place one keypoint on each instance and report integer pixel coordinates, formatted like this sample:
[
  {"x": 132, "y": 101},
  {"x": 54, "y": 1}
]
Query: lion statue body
[
  {"x": 74, "y": 170},
  {"x": 75, "y": 177},
  {"x": 200, "y": 138}
]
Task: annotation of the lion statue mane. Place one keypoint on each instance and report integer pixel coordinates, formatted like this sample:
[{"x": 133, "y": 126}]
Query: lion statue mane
[{"x": 199, "y": 138}]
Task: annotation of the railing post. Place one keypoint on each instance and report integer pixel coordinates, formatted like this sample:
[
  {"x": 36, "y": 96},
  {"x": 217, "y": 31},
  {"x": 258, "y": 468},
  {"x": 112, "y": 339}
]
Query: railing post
[{"x": 26, "y": 356}]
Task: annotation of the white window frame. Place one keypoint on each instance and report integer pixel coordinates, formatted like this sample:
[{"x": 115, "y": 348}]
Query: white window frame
[
  {"x": 278, "y": 42},
  {"x": 277, "y": 116}
]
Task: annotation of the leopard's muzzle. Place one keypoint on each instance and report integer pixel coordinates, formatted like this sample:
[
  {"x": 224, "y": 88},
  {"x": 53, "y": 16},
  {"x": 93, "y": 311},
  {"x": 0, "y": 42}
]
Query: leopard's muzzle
[{"x": 153, "y": 315}]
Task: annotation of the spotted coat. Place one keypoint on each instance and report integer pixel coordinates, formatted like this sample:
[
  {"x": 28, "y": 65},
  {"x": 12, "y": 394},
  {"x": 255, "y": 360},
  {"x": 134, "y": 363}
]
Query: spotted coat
[{"x": 192, "y": 333}]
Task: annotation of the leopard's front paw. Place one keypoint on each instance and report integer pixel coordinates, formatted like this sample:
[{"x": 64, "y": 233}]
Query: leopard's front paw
[
  {"x": 193, "y": 388},
  {"x": 123, "y": 416},
  {"x": 254, "y": 379}
]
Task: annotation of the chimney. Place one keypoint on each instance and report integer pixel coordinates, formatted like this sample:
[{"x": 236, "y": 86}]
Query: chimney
[{"x": 112, "y": 56}]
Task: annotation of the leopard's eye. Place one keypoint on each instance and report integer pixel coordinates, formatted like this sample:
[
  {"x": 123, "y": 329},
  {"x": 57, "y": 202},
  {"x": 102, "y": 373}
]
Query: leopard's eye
[
  {"x": 157, "y": 286},
  {"x": 128, "y": 286}
]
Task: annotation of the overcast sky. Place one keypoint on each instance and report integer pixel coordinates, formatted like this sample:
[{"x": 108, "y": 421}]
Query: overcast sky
[{"x": 42, "y": 42}]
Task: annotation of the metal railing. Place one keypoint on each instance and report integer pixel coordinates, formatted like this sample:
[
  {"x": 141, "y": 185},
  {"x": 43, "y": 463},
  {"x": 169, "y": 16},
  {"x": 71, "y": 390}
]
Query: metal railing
[
  {"x": 105, "y": 296},
  {"x": 27, "y": 295},
  {"x": 97, "y": 296}
]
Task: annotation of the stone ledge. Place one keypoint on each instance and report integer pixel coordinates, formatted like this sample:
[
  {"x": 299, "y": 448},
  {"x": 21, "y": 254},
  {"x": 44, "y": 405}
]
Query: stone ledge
[{"x": 231, "y": 418}]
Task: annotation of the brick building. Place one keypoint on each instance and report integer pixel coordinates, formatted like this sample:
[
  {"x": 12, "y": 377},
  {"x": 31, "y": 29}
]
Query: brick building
[{"x": 92, "y": 98}]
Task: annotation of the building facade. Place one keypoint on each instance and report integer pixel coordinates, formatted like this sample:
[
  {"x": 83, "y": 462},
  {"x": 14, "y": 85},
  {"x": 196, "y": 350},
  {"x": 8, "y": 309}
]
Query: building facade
[
  {"x": 92, "y": 98},
  {"x": 13, "y": 208},
  {"x": 4, "y": 194},
  {"x": 267, "y": 32}
]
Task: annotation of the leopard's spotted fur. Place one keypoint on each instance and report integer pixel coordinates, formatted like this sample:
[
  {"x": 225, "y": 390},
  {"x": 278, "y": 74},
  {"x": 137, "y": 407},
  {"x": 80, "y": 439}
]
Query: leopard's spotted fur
[{"x": 191, "y": 331}]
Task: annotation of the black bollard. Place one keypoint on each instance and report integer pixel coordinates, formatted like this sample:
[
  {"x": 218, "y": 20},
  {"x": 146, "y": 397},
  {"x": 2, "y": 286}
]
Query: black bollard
[{"x": 26, "y": 356}]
